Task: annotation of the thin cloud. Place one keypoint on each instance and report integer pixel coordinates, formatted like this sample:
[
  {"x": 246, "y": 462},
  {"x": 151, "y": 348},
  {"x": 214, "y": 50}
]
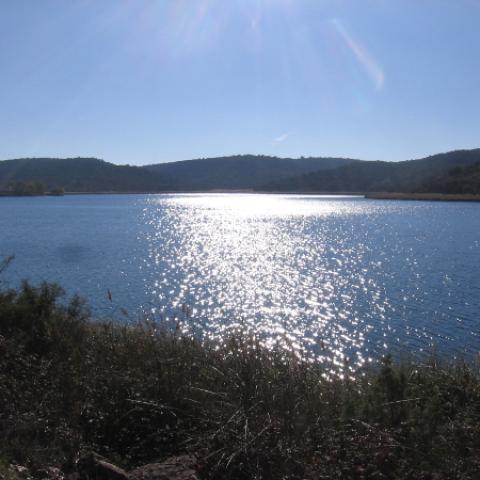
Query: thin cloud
[{"x": 281, "y": 138}]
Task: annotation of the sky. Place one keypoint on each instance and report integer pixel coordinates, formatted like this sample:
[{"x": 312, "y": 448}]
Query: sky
[{"x": 149, "y": 81}]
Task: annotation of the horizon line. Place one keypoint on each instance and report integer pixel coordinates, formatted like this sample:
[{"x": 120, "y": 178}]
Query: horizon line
[{"x": 236, "y": 155}]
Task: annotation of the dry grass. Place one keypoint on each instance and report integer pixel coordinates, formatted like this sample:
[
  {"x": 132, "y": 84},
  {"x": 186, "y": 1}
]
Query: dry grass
[{"x": 139, "y": 394}]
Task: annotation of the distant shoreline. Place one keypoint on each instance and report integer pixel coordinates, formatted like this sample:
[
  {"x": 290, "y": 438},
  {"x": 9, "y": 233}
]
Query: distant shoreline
[
  {"x": 436, "y": 197},
  {"x": 174, "y": 192},
  {"x": 46, "y": 194}
]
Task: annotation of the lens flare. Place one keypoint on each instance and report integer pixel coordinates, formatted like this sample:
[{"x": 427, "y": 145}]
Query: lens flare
[{"x": 372, "y": 68}]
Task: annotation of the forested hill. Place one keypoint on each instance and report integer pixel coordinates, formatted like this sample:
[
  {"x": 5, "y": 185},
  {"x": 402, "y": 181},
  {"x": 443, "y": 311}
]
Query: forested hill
[
  {"x": 453, "y": 172},
  {"x": 79, "y": 175},
  {"x": 459, "y": 180},
  {"x": 223, "y": 173},
  {"x": 431, "y": 174},
  {"x": 241, "y": 172}
]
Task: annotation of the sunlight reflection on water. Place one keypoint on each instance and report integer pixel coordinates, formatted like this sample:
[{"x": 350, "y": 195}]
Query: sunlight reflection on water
[
  {"x": 340, "y": 280},
  {"x": 304, "y": 272}
]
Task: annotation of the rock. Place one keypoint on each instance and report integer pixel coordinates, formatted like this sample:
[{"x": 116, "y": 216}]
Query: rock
[
  {"x": 174, "y": 468},
  {"x": 50, "y": 473},
  {"x": 16, "y": 471},
  {"x": 94, "y": 467}
]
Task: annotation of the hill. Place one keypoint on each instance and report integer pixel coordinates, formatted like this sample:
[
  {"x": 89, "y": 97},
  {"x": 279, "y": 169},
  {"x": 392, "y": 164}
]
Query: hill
[
  {"x": 458, "y": 181},
  {"x": 94, "y": 175},
  {"x": 79, "y": 175},
  {"x": 241, "y": 172},
  {"x": 421, "y": 175},
  {"x": 452, "y": 172}
]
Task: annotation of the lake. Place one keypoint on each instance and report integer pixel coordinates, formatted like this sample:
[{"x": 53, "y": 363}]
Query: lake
[{"x": 334, "y": 278}]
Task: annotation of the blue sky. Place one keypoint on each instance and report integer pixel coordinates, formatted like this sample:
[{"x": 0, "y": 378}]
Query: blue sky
[{"x": 146, "y": 81}]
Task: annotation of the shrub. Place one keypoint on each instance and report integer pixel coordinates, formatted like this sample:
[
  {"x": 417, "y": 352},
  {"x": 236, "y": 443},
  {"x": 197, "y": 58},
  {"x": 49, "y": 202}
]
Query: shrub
[{"x": 139, "y": 393}]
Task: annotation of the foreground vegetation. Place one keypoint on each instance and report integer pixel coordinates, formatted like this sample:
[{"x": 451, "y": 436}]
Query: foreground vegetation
[{"x": 138, "y": 394}]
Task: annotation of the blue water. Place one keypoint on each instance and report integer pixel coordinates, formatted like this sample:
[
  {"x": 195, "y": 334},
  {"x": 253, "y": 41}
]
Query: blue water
[{"x": 328, "y": 277}]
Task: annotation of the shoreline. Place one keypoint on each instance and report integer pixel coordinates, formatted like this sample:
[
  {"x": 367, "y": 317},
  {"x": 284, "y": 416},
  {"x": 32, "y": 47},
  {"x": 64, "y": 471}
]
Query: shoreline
[
  {"x": 199, "y": 192},
  {"x": 437, "y": 197},
  {"x": 434, "y": 197}
]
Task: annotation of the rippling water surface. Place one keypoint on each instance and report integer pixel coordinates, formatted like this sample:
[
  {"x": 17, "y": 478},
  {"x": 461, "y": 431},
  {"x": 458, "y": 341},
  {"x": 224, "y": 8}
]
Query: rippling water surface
[{"x": 341, "y": 279}]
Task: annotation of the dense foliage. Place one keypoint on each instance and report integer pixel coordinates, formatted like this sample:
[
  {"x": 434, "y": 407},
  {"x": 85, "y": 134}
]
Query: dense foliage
[
  {"x": 241, "y": 171},
  {"x": 423, "y": 175},
  {"x": 26, "y": 188},
  {"x": 79, "y": 175},
  {"x": 136, "y": 394},
  {"x": 458, "y": 180}
]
